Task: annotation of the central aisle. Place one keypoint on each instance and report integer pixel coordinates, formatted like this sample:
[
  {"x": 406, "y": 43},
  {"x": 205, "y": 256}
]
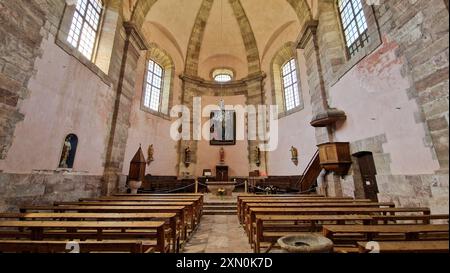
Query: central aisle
[{"x": 218, "y": 234}]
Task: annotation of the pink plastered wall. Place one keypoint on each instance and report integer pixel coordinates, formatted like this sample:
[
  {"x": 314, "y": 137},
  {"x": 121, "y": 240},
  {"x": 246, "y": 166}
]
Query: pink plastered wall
[
  {"x": 65, "y": 97},
  {"x": 294, "y": 129},
  {"x": 147, "y": 128},
  {"x": 236, "y": 156},
  {"x": 375, "y": 107}
]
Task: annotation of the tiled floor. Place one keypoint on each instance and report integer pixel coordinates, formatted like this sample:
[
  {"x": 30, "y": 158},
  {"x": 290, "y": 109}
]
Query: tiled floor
[{"x": 218, "y": 234}]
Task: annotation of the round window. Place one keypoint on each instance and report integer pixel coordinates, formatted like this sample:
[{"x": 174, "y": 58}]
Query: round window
[{"x": 222, "y": 75}]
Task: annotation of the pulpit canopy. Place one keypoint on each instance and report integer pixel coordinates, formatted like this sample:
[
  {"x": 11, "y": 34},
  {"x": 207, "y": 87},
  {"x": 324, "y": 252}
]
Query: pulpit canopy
[{"x": 137, "y": 166}]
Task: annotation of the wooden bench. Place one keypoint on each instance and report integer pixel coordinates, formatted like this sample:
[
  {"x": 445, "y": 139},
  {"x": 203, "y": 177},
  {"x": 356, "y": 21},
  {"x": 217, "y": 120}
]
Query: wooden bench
[
  {"x": 277, "y": 199},
  {"x": 265, "y": 231},
  {"x": 190, "y": 213},
  {"x": 407, "y": 247},
  {"x": 41, "y": 230},
  {"x": 247, "y": 206},
  {"x": 197, "y": 200},
  {"x": 345, "y": 234},
  {"x": 423, "y": 219},
  {"x": 29, "y": 246},
  {"x": 245, "y": 203},
  {"x": 179, "y": 210},
  {"x": 251, "y": 217},
  {"x": 171, "y": 218}
]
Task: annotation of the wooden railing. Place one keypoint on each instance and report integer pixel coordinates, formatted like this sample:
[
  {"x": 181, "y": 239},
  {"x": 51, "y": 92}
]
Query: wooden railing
[{"x": 310, "y": 174}]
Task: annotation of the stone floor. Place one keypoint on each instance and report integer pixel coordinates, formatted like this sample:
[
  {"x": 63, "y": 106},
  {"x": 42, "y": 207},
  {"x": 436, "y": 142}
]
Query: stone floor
[{"x": 218, "y": 234}]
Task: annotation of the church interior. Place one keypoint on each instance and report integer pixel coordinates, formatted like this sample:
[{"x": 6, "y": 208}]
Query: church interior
[{"x": 224, "y": 126}]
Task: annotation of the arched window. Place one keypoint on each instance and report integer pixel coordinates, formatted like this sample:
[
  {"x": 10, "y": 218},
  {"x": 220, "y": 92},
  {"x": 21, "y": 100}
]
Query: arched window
[
  {"x": 290, "y": 85},
  {"x": 85, "y": 26},
  {"x": 158, "y": 81},
  {"x": 354, "y": 25},
  {"x": 154, "y": 86},
  {"x": 68, "y": 152},
  {"x": 286, "y": 88}
]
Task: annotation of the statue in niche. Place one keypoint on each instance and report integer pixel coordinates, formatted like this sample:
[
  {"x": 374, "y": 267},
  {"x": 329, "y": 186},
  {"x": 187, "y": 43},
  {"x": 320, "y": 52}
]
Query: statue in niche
[
  {"x": 222, "y": 155},
  {"x": 187, "y": 156},
  {"x": 68, "y": 152},
  {"x": 258, "y": 156},
  {"x": 150, "y": 152},
  {"x": 294, "y": 155}
]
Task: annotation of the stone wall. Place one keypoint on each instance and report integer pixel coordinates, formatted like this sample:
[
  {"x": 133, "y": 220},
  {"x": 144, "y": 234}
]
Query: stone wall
[
  {"x": 20, "y": 39},
  {"x": 44, "y": 188},
  {"x": 403, "y": 118}
]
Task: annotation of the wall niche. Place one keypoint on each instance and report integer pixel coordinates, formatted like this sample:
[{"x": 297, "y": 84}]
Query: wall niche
[{"x": 68, "y": 152}]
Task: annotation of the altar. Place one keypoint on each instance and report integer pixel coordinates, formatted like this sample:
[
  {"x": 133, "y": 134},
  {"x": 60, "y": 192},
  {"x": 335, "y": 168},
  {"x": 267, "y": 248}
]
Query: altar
[{"x": 221, "y": 188}]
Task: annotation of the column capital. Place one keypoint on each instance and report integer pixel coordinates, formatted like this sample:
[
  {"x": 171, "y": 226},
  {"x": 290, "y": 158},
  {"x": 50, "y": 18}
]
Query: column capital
[
  {"x": 307, "y": 32},
  {"x": 135, "y": 36}
]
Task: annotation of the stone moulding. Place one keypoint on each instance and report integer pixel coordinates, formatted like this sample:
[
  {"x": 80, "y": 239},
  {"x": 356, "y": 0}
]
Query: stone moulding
[
  {"x": 330, "y": 117},
  {"x": 308, "y": 31}
]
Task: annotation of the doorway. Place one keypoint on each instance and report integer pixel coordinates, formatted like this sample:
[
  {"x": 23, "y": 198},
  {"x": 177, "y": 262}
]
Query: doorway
[{"x": 368, "y": 174}]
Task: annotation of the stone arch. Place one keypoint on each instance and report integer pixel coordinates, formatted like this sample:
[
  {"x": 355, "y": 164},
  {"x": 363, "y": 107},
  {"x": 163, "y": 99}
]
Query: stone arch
[
  {"x": 251, "y": 47},
  {"x": 163, "y": 58},
  {"x": 195, "y": 41},
  {"x": 302, "y": 9},
  {"x": 140, "y": 11},
  {"x": 286, "y": 53}
]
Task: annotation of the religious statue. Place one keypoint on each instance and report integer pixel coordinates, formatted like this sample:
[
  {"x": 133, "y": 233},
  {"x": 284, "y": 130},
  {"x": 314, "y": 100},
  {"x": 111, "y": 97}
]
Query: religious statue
[
  {"x": 187, "y": 156},
  {"x": 222, "y": 155},
  {"x": 258, "y": 156},
  {"x": 294, "y": 155},
  {"x": 65, "y": 153},
  {"x": 150, "y": 154}
]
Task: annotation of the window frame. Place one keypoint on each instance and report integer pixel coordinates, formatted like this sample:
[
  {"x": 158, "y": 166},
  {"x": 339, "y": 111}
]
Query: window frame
[
  {"x": 146, "y": 83},
  {"x": 363, "y": 38},
  {"x": 283, "y": 87},
  {"x": 86, "y": 21}
]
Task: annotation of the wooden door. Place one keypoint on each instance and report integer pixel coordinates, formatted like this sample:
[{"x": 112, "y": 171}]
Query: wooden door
[{"x": 368, "y": 174}]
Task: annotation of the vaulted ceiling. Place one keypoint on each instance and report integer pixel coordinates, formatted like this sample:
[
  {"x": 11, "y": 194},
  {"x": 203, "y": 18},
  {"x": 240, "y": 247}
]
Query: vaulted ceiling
[{"x": 237, "y": 34}]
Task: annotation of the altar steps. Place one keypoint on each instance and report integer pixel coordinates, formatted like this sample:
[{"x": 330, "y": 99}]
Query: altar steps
[{"x": 220, "y": 208}]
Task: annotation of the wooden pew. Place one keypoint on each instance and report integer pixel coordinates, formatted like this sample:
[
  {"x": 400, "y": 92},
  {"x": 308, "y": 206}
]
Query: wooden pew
[
  {"x": 41, "y": 230},
  {"x": 179, "y": 210},
  {"x": 345, "y": 234},
  {"x": 423, "y": 219},
  {"x": 278, "y": 199},
  {"x": 251, "y": 218},
  {"x": 198, "y": 200},
  {"x": 408, "y": 247},
  {"x": 279, "y": 231},
  {"x": 191, "y": 212},
  {"x": 176, "y": 230},
  {"x": 247, "y": 206},
  {"x": 244, "y": 202},
  {"x": 29, "y": 246},
  {"x": 164, "y": 195}
]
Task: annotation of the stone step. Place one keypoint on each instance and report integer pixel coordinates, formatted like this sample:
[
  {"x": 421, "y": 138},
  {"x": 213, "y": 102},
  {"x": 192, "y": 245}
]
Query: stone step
[
  {"x": 220, "y": 203},
  {"x": 221, "y": 207},
  {"x": 219, "y": 212}
]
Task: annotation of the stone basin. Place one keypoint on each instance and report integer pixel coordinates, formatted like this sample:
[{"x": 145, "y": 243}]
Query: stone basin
[{"x": 306, "y": 243}]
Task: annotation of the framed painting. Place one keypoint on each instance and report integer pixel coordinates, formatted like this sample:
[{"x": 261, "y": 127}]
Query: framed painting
[{"x": 222, "y": 128}]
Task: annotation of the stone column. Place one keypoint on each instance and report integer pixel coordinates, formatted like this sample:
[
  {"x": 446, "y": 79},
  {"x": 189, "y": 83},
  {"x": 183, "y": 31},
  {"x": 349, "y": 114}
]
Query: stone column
[
  {"x": 255, "y": 97},
  {"x": 324, "y": 117},
  {"x": 133, "y": 44}
]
